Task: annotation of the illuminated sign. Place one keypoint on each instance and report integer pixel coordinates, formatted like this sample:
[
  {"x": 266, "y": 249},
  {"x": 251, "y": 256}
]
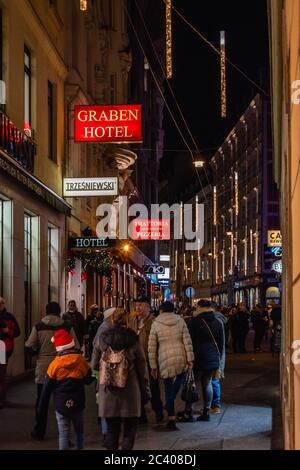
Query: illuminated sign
[
  {"x": 164, "y": 258},
  {"x": 166, "y": 274},
  {"x": 109, "y": 123},
  {"x": 274, "y": 238},
  {"x": 153, "y": 229},
  {"x": 90, "y": 187},
  {"x": 151, "y": 269},
  {"x": 277, "y": 266},
  {"x": 276, "y": 251},
  {"x": 80, "y": 243}
]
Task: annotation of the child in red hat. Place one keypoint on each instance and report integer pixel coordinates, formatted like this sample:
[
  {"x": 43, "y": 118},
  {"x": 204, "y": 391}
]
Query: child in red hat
[{"x": 66, "y": 376}]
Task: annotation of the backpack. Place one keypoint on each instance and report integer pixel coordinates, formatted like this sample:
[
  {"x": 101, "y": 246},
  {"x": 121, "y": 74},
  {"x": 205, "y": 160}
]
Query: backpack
[{"x": 113, "y": 371}]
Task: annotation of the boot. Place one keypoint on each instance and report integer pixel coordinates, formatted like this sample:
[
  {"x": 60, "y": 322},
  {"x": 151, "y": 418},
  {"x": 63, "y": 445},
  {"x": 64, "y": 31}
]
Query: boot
[
  {"x": 171, "y": 424},
  {"x": 205, "y": 415}
]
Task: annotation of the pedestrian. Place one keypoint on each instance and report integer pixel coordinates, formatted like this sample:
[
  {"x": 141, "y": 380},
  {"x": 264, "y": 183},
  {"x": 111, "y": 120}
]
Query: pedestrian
[
  {"x": 123, "y": 379},
  {"x": 259, "y": 321},
  {"x": 141, "y": 323},
  {"x": 66, "y": 376},
  {"x": 90, "y": 317},
  {"x": 242, "y": 325},
  {"x": 233, "y": 328},
  {"x": 9, "y": 330},
  {"x": 39, "y": 342},
  {"x": 216, "y": 405},
  {"x": 75, "y": 320},
  {"x": 276, "y": 328},
  {"x": 170, "y": 354},
  {"x": 94, "y": 325},
  {"x": 95, "y": 362},
  {"x": 207, "y": 335}
]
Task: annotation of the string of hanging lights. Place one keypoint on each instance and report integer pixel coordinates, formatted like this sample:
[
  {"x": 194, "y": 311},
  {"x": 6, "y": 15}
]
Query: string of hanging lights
[
  {"x": 223, "y": 75},
  {"x": 169, "y": 58}
]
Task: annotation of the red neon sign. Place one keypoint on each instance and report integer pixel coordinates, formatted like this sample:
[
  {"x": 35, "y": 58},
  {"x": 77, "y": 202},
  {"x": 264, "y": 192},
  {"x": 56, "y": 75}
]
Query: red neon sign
[
  {"x": 153, "y": 229},
  {"x": 109, "y": 123}
]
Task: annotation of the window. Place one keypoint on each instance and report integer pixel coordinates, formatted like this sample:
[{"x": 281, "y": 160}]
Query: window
[
  {"x": 5, "y": 243},
  {"x": 51, "y": 122},
  {"x": 27, "y": 85},
  {"x": 53, "y": 278},
  {"x": 113, "y": 88},
  {"x": 27, "y": 276}
]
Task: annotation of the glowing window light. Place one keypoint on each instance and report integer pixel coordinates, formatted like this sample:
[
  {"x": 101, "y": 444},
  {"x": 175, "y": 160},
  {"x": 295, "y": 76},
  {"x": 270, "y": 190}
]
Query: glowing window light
[
  {"x": 223, "y": 75},
  {"x": 169, "y": 59},
  {"x": 83, "y": 5},
  {"x": 215, "y": 205},
  {"x": 236, "y": 186}
]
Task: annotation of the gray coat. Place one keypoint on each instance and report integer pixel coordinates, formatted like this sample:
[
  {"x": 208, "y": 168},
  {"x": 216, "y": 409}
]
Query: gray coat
[
  {"x": 118, "y": 402},
  {"x": 223, "y": 320}
]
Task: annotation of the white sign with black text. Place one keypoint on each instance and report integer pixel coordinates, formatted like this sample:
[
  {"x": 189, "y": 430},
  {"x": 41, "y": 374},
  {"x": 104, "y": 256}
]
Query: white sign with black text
[{"x": 76, "y": 187}]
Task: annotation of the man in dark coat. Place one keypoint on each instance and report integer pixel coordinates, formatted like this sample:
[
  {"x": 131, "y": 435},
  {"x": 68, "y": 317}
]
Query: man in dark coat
[
  {"x": 9, "y": 330},
  {"x": 208, "y": 342},
  {"x": 259, "y": 320},
  {"x": 75, "y": 320},
  {"x": 242, "y": 325}
]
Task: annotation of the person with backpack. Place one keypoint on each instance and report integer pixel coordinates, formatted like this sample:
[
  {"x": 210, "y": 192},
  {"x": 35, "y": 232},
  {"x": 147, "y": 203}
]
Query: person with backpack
[
  {"x": 170, "y": 353},
  {"x": 39, "y": 342},
  {"x": 9, "y": 330},
  {"x": 66, "y": 376},
  {"x": 123, "y": 380}
]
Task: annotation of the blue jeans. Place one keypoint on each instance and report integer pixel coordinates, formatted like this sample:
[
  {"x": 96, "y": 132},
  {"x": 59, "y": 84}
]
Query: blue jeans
[
  {"x": 64, "y": 428},
  {"x": 216, "y": 401},
  {"x": 172, "y": 387}
]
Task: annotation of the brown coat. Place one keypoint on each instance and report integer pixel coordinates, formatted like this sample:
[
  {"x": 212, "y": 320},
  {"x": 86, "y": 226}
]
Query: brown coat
[
  {"x": 144, "y": 332},
  {"x": 123, "y": 402}
]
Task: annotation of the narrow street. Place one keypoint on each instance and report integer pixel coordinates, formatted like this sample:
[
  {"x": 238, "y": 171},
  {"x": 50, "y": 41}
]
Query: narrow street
[{"x": 250, "y": 396}]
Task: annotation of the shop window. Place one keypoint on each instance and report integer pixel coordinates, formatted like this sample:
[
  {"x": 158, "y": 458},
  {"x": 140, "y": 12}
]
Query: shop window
[{"x": 53, "y": 264}]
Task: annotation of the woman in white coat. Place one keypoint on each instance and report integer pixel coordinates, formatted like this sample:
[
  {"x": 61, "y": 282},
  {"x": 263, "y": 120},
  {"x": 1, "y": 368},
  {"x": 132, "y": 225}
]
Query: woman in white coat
[{"x": 170, "y": 352}]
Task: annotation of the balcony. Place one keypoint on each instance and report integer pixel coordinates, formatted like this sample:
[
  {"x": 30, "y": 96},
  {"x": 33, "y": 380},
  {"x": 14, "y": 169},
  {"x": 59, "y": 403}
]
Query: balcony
[{"x": 16, "y": 144}]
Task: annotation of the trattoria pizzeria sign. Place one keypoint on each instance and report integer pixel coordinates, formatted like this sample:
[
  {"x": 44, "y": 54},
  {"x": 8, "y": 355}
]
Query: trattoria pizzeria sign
[{"x": 109, "y": 123}]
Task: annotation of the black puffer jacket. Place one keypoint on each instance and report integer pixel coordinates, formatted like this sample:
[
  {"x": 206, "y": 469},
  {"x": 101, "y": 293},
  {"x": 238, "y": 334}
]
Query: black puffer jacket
[{"x": 205, "y": 350}]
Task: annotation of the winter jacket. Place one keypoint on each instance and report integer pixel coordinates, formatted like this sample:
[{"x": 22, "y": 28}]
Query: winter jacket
[
  {"x": 144, "y": 331},
  {"x": 223, "y": 320},
  {"x": 206, "y": 353},
  {"x": 242, "y": 321},
  {"x": 66, "y": 377},
  {"x": 123, "y": 402},
  {"x": 259, "y": 319},
  {"x": 97, "y": 344},
  {"x": 170, "y": 346},
  {"x": 40, "y": 341},
  {"x": 76, "y": 321},
  {"x": 7, "y": 320}
]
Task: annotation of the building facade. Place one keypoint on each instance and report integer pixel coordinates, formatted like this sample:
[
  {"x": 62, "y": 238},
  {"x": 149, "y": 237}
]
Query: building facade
[
  {"x": 284, "y": 31},
  {"x": 246, "y": 213},
  {"x": 32, "y": 210}
]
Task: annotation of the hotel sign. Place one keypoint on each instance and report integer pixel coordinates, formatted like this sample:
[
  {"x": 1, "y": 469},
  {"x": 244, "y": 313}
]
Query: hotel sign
[
  {"x": 109, "y": 123},
  {"x": 81, "y": 243},
  {"x": 274, "y": 238},
  {"x": 90, "y": 187}
]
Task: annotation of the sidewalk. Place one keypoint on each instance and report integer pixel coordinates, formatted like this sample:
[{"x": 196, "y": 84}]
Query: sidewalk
[{"x": 249, "y": 392}]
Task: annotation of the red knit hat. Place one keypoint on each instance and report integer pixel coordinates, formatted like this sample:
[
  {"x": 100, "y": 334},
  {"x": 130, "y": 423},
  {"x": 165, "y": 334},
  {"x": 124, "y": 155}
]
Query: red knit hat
[{"x": 62, "y": 340}]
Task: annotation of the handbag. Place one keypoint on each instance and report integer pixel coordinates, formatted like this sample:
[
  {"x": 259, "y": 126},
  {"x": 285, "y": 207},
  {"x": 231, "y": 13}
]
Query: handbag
[
  {"x": 217, "y": 373},
  {"x": 189, "y": 392}
]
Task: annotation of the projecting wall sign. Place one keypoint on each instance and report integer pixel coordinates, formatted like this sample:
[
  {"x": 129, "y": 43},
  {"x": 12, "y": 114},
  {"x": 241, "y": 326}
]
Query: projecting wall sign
[
  {"x": 274, "y": 238},
  {"x": 109, "y": 123},
  {"x": 90, "y": 187},
  {"x": 151, "y": 269}
]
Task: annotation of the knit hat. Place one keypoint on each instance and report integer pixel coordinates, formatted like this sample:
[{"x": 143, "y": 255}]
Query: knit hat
[
  {"x": 62, "y": 340},
  {"x": 108, "y": 312}
]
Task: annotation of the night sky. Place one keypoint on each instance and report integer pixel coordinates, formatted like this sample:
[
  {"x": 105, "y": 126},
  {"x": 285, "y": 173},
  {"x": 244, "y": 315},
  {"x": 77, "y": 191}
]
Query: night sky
[{"x": 196, "y": 81}]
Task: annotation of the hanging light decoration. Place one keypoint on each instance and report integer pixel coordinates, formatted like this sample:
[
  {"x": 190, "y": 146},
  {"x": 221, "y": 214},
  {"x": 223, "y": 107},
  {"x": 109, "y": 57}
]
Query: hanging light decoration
[
  {"x": 83, "y": 5},
  {"x": 169, "y": 58},
  {"x": 215, "y": 205},
  {"x": 223, "y": 75},
  {"x": 236, "y": 186}
]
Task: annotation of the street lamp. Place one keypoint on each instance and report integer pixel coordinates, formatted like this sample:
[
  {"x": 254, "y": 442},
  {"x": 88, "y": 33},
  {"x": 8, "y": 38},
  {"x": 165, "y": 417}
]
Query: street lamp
[{"x": 199, "y": 163}]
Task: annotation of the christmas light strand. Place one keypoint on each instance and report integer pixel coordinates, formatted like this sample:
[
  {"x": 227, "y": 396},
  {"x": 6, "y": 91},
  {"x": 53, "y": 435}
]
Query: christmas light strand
[
  {"x": 223, "y": 75},
  {"x": 169, "y": 58}
]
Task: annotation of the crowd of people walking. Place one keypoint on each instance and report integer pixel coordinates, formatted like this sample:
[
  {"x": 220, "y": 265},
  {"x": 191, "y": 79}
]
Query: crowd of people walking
[{"x": 132, "y": 359}]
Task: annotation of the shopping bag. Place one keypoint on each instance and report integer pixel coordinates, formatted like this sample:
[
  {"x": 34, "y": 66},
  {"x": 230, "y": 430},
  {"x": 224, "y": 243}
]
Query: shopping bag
[{"x": 189, "y": 392}]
